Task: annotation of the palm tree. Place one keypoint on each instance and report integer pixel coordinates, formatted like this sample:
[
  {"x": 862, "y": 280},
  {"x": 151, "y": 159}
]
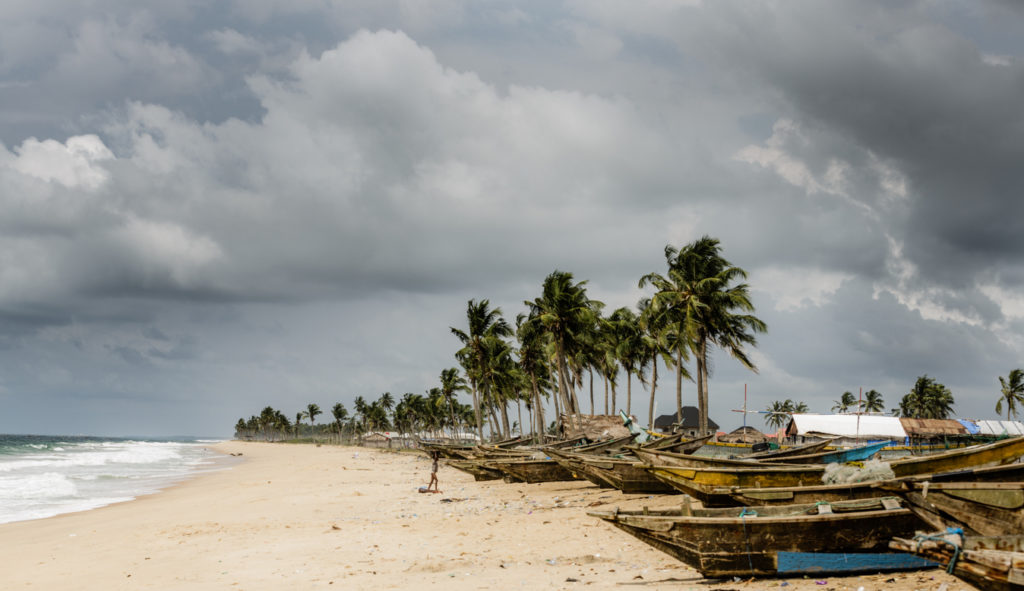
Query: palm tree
[
  {"x": 484, "y": 323},
  {"x": 928, "y": 399},
  {"x": 873, "y": 401},
  {"x": 451, "y": 384},
  {"x": 312, "y": 410},
  {"x": 699, "y": 295},
  {"x": 532, "y": 363},
  {"x": 387, "y": 402},
  {"x": 626, "y": 341},
  {"x": 340, "y": 413},
  {"x": 844, "y": 403},
  {"x": 1012, "y": 393},
  {"x": 565, "y": 314},
  {"x": 298, "y": 422},
  {"x": 778, "y": 412}
]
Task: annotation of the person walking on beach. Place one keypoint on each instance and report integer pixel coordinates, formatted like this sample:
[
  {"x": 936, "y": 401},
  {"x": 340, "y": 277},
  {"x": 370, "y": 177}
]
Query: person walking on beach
[{"x": 434, "y": 456}]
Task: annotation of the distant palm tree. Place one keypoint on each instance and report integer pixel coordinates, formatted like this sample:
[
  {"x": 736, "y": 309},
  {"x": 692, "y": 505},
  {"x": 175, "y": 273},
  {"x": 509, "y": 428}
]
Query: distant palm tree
[
  {"x": 781, "y": 411},
  {"x": 928, "y": 399},
  {"x": 312, "y": 411},
  {"x": 1012, "y": 390},
  {"x": 340, "y": 413},
  {"x": 873, "y": 401},
  {"x": 298, "y": 422},
  {"x": 844, "y": 403},
  {"x": 451, "y": 384}
]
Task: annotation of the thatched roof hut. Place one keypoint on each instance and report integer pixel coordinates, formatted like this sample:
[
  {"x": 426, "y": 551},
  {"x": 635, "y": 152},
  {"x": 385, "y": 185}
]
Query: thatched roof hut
[{"x": 744, "y": 435}]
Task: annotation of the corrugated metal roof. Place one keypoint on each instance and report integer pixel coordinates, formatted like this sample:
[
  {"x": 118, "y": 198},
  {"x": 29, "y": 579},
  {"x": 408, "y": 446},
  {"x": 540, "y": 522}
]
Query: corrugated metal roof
[
  {"x": 931, "y": 427},
  {"x": 1000, "y": 427},
  {"x": 848, "y": 425}
]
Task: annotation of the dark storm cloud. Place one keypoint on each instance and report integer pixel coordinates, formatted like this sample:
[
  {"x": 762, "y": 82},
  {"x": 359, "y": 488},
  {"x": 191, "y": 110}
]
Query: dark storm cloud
[{"x": 270, "y": 202}]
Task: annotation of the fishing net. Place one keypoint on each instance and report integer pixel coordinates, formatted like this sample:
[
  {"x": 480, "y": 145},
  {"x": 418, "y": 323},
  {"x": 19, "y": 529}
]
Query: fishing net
[{"x": 849, "y": 473}]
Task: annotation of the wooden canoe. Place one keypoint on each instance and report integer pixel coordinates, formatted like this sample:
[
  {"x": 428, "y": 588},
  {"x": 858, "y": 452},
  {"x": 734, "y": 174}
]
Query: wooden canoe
[
  {"x": 666, "y": 458},
  {"x": 677, "y": 444},
  {"x": 807, "y": 448},
  {"x": 631, "y": 477},
  {"x": 712, "y": 485},
  {"x": 980, "y": 508},
  {"x": 575, "y": 464},
  {"x": 836, "y": 456},
  {"x": 783, "y": 495},
  {"x": 991, "y": 563},
  {"x": 533, "y": 471},
  {"x": 837, "y": 538},
  {"x": 477, "y": 468}
]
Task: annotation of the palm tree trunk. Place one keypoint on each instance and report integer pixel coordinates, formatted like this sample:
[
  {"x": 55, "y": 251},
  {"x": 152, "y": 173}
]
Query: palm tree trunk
[
  {"x": 538, "y": 406},
  {"x": 614, "y": 395},
  {"x": 702, "y": 389},
  {"x": 519, "y": 409},
  {"x": 591, "y": 370},
  {"x": 566, "y": 390},
  {"x": 606, "y": 395},
  {"x": 629, "y": 394},
  {"x": 503, "y": 405},
  {"x": 679, "y": 384},
  {"x": 654, "y": 387},
  {"x": 477, "y": 411}
]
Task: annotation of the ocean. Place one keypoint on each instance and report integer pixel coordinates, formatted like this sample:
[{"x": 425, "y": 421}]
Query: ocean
[{"x": 43, "y": 476}]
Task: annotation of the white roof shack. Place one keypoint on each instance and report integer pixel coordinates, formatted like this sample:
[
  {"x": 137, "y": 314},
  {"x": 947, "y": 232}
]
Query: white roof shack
[{"x": 846, "y": 426}]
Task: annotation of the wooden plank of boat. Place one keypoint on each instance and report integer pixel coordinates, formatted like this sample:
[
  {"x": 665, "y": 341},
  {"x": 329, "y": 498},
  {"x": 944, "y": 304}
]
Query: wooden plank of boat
[
  {"x": 866, "y": 490},
  {"x": 608, "y": 445},
  {"x": 837, "y": 456},
  {"x": 533, "y": 471},
  {"x": 629, "y": 476},
  {"x": 797, "y": 450},
  {"x": 837, "y": 538},
  {"x": 993, "y": 563}
]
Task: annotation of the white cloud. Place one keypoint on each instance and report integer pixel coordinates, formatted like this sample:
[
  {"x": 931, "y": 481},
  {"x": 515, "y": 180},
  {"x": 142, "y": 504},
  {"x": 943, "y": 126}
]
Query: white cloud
[
  {"x": 74, "y": 164},
  {"x": 793, "y": 288}
]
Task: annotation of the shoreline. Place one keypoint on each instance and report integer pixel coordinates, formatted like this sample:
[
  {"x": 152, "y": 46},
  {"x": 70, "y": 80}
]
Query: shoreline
[{"x": 317, "y": 517}]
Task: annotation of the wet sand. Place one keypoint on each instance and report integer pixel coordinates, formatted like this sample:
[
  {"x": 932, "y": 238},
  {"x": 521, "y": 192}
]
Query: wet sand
[{"x": 306, "y": 517}]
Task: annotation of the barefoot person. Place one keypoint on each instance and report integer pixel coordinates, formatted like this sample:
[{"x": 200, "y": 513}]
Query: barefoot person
[{"x": 434, "y": 456}]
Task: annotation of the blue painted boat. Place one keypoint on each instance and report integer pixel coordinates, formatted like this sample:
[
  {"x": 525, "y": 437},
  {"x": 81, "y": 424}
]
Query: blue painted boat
[
  {"x": 838, "y": 456},
  {"x": 820, "y": 539}
]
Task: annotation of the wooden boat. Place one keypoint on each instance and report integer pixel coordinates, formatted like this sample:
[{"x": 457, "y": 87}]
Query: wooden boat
[
  {"x": 1000, "y": 452},
  {"x": 837, "y": 456},
  {"x": 980, "y": 508},
  {"x": 533, "y": 471},
  {"x": 833, "y": 538},
  {"x": 782, "y": 495},
  {"x": 477, "y": 469},
  {"x": 807, "y": 448},
  {"x": 629, "y": 476},
  {"x": 677, "y": 444},
  {"x": 712, "y": 485},
  {"x": 991, "y": 563},
  {"x": 574, "y": 463},
  {"x": 598, "y": 447},
  {"x": 666, "y": 458}
]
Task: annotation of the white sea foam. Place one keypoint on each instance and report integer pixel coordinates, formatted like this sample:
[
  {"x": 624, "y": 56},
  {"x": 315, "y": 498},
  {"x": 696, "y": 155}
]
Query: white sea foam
[{"x": 43, "y": 479}]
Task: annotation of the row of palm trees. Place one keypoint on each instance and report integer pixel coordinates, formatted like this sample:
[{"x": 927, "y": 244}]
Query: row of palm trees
[
  {"x": 564, "y": 340},
  {"x": 927, "y": 399},
  {"x": 437, "y": 411}
]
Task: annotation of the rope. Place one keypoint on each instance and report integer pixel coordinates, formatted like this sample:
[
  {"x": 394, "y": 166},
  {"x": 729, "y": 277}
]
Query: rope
[{"x": 919, "y": 538}]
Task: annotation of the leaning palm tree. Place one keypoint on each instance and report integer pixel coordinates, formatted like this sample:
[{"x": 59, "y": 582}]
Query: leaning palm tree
[
  {"x": 701, "y": 296},
  {"x": 1012, "y": 393},
  {"x": 844, "y": 403},
  {"x": 484, "y": 323}
]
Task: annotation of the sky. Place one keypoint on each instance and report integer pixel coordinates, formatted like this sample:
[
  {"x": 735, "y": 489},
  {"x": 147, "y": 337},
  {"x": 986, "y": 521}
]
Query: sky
[{"x": 208, "y": 208}]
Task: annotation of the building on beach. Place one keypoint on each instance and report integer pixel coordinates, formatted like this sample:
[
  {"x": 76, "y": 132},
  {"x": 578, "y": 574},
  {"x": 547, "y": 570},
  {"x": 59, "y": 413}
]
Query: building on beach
[{"x": 690, "y": 424}]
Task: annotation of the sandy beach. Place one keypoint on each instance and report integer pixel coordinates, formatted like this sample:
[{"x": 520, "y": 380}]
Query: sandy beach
[{"x": 306, "y": 517}]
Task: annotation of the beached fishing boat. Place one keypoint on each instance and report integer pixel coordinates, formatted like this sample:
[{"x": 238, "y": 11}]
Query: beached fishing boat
[
  {"x": 990, "y": 563},
  {"x": 477, "y": 469},
  {"x": 666, "y": 458},
  {"x": 533, "y": 471},
  {"x": 629, "y": 476},
  {"x": 835, "y": 538},
  {"x": 981, "y": 508},
  {"x": 713, "y": 485},
  {"x": 677, "y": 444},
  {"x": 864, "y": 490},
  {"x": 836, "y": 456},
  {"x": 770, "y": 455}
]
